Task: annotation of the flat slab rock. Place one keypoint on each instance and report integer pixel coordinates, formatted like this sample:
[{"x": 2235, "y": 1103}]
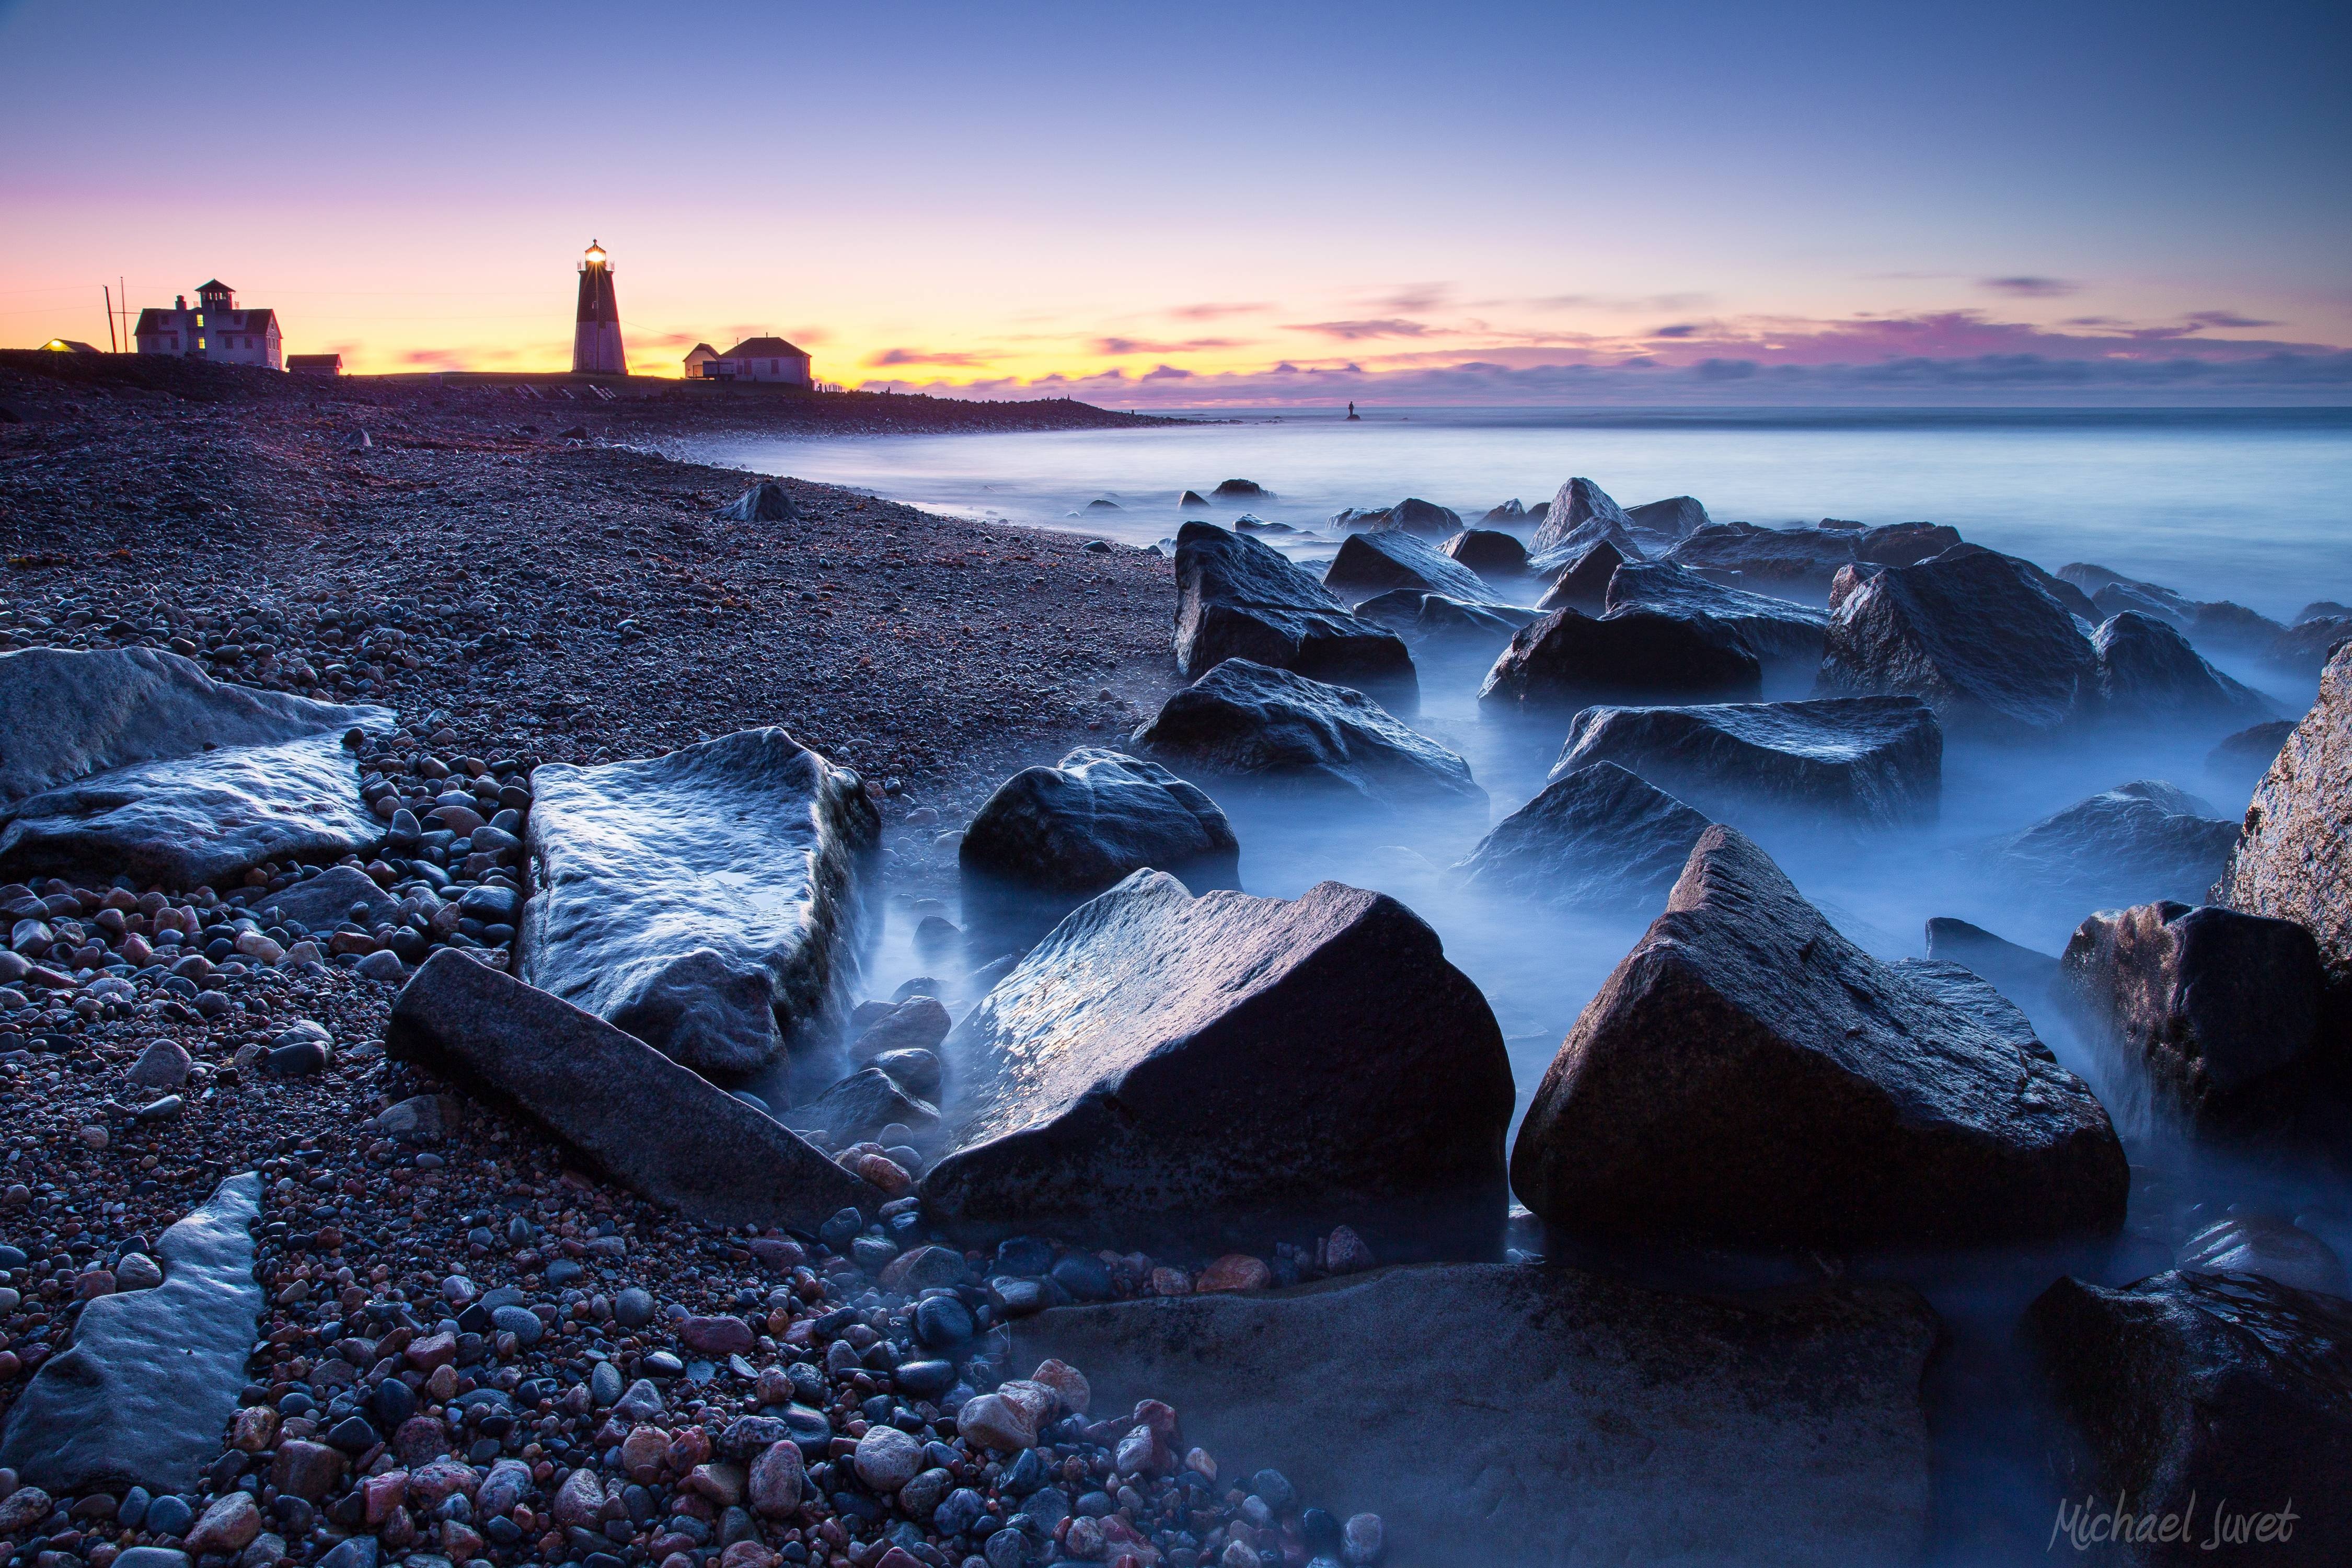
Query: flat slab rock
[
  {"x": 135, "y": 761},
  {"x": 1570, "y": 659},
  {"x": 2141, "y": 840},
  {"x": 1745, "y": 553},
  {"x": 1237, "y": 598},
  {"x": 1519, "y": 1416},
  {"x": 1748, "y": 1075},
  {"x": 1375, "y": 563},
  {"x": 1775, "y": 630},
  {"x": 1091, "y": 819},
  {"x": 704, "y": 901},
  {"x": 654, "y": 1126},
  {"x": 1217, "y": 1067},
  {"x": 2289, "y": 864},
  {"x": 1875, "y": 761},
  {"x": 153, "y": 1376},
  {"x": 1590, "y": 838}
]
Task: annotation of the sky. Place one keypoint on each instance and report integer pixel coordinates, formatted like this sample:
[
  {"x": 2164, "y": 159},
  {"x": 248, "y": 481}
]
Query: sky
[{"x": 1222, "y": 205}]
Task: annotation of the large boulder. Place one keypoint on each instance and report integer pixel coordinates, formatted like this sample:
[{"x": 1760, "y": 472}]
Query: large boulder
[
  {"x": 1971, "y": 636},
  {"x": 1489, "y": 552},
  {"x": 1776, "y": 631},
  {"x": 1284, "y": 730},
  {"x": 1592, "y": 837},
  {"x": 1748, "y": 1075},
  {"x": 1871, "y": 761},
  {"x": 1667, "y": 522},
  {"x": 1570, "y": 659},
  {"x": 1372, "y": 563},
  {"x": 1742, "y": 552},
  {"x": 646, "y": 1122},
  {"x": 2240, "y": 762},
  {"x": 2148, "y": 673},
  {"x": 1436, "y": 616},
  {"x": 2220, "y": 624},
  {"x": 152, "y": 1375},
  {"x": 2306, "y": 648},
  {"x": 704, "y": 901},
  {"x": 861, "y": 1105},
  {"x": 2017, "y": 972},
  {"x": 330, "y": 897},
  {"x": 1498, "y": 1415},
  {"x": 2141, "y": 840},
  {"x": 1904, "y": 543},
  {"x": 1218, "y": 1069},
  {"x": 1580, "y": 513},
  {"x": 2217, "y": 1400},
  {"x": 127, "y": 761},
  {"x": 2223, "y": 1008},
  {"x": 1090, "y": 820},
  {"x": 1427, "y": 519},
  {"x": 2288, "y": 862},
  {"x": 1581, "y": 583},
  {"x": 1237, "y": 598}
]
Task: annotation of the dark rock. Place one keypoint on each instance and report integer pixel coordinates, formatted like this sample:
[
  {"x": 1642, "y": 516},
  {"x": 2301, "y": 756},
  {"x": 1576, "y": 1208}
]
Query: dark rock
[
  {"x": 1234, "y": 489},
  {"x": 1971, "y": 636},
  {"x": 2144, "y": 599},
  {"x": 1602, "y": 1409},
  {"x": 2140, "y": 840},
  {"x": 1582, "y": 582},
  {"x": 1570, "y": 659},
  {"x": 1873, "y": 760},
  {"x": 1748, "y": 1075},
  {"x": 1776, "y": 631},
  {"x": 1743, "y": 552},
  {"x": 2241, "y": 760},
  {"x": 1489, "y": 551},
  {"x": 1212, "y": 1068},
  {"x": 2216, "y": 1004},
  {"x": 1665, "y": 523},
  {"x": 2015, "y": 971},
  {"x": 2220, "y": 624},
  {"x": 2148, "y": 673},
  {"x": 1362, "y": 519},
  {"x": 917, "y": 1024},
  {"x": 1591, "y": 837},
  {"x": 2308, "y": 647},
  {"x": 701, "y": 900},
  {"x": 1248, "y": 720},
  {"x": 652, "y": 1124},
  {"x": 1582, "y": 513},
  {"x": 1370, "y": 563},
  {"x": 153, "y": 1376},
  {"x": 1245, "y": 524},
  {"x": 1427, "y": 519},
  {"x": 860, "y": 1106},
  {"x": 1509, "y": 511},
  {"x": 330, "y": 896},
  {"x": 1193, "y": 501},
  {"x": 2321, "y": 610},
  {"x": 2269, "y": 1246},
  {"x": 1434, "y": 615},
  {"x": 2229, "y": 1393},
  {"x": 1904, "y": 543},
  {"x": 1238, "y": 599},
  {"x": 763, "y": 502},
  {"x": 1084, "y": 824}
]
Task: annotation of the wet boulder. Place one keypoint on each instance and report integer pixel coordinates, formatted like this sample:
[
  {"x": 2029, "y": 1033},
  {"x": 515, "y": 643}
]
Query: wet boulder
[
  {"x": 1570, "y": 659},
  {"x": 2227, "y": 1393},
  {"x": 702, "y": 900},
  {"x": 1661, "y": 524},
  {"x": 1241, "y": 490},
  {"x": 2070, "y": 598},
  {"x": 1748, "y": 1075},
  {"x": 1776, "y": 631},
  {"x": 2288, "y": 862},
  {"x": 2241, "y": 760},
  {"x": 1509, "y": 511},
  {"x": 1970, "y": 635},
  {"x": 2148, "y": 673},
  {"x": 1904, "y": 543},
  {"x": 1580, "y": 513},
  {"x": 1742, "y": 552},
  {"x": 2013, "y": 970},
  {"x": 1239, "y": 599},
  {"x": 1090, "y": 820},
  {"x": 2136, "y": 841},
  {"x": 1372, "y": 563},
  {"x": 1873, "y": 762},
  {"x": 766, "y": 501},
  {"x": 331, "y": 896},
  {"x": 858, "y": 1107},
  {"x": 1427, "y": 519},
  {"x": 1436, "y": 616},
  {"x": 1282, "y": 730},
  {"x": 2309, "y": 647},
  {"x": 2268, "y": 1244},
  {"x": 1581, "y": 583},
  {"x": 2222, "y": 624},
  {"x": 1595, "y": 836},
  {"x": 1214, "y": 1069},
  {"x": 1489, "y": 551},
  {"x": 2223, "y": 1008},
  {"x": 652, "y": 1125}
]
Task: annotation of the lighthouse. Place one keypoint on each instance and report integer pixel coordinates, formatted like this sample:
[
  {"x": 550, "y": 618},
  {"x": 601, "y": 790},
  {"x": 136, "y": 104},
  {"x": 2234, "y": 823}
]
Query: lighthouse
[{"x": 596, "y": 340}]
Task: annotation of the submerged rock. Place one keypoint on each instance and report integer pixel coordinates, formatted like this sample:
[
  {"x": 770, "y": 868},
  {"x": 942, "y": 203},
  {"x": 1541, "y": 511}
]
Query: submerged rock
[
  {"x": 152, "y": 1375},
  {"x": 702, "y": 900},
  {"x": 1090, "y": 820},
  {"x": 1873, "y": 761},
  {"x": 2227, "y": 1391},
  {"x": 766, "y": 501},
  {"x": 1665, "y": 523},
  {"x": 1435, "y": 615},
  {"x": 2308, "y": 647},
  {"x": 1586, "y": 1412},
  {"x": 2269, "y": 1246},
  {"x": 2242, "y": 759},
  {"x": 1238, "y": 599},
  {"x": 1282, "y": 729},
  {"x": 1509, "y": 511},
  {"x": 2148, "y": 673},
  {"x": 2220, "y": 624},
  {"x": 1214, "y": 1069},
  {"x": 1971, "y": 636},
  {"x": 1743, "y": 552},
  {"x": 2139, "y": 840},
  {"x": 1489, "y": 551},
  {"x": 1748, "y": 1075},
  {"x": 1570, "y": 659},
  {"x": 652, "y": 1125},
  {"x": 2015, "y": 971},
  {"x": 1776, "y": 631},
  {"x": 1595, "y": 836},
  {"x": 2288, "y": 862},
  {"x": 1375, "y": 562},
  {"x": 1582, "y": 582}
]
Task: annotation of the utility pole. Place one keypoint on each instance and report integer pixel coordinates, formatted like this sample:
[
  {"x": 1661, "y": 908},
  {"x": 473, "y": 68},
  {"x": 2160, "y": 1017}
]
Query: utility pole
[{"x": 111, "y": 347}]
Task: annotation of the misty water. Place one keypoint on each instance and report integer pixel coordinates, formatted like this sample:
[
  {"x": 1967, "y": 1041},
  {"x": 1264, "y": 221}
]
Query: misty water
[{"x": 2252, "y": 508}]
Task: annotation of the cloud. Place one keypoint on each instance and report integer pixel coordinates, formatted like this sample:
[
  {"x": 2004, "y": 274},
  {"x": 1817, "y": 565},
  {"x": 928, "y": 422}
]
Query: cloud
[
  {"x": 433, "y": 359},
  {"x": 1389, "y": 327},
  {"x": 2030, "y": 288},
  {"x": 1416, "y": 298},
  {"x": 1154, "y": 346},
  {"x": 1167, "y": 373},
  {"x": 1209, "y": 313},
  {"x": 1680, "y": 330},
  {"x": 927, "y": 356},
  {"x": 2228, "y": 319}
]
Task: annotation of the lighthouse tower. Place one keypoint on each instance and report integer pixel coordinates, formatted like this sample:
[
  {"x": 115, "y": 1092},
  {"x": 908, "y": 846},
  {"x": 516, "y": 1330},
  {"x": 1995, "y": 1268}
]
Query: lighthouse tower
[{"x": 596, "y": 340}]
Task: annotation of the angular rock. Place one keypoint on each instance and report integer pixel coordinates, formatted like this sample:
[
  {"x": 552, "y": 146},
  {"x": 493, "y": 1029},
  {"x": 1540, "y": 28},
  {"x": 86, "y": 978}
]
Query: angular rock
[
  {"x": 1214, "y": 1068},
  {"x": 1744, "y": 553},
  {"x": 1509, "y": 511},
  {"x": 1235, "y": 598},
  {"x": 2148, "y": 673},
  {"x": 766, "y": 501},
  {"x": 2242, "y": 759},
  {"x": 2141, "y": 598},
  {"x": 1587, "y": 1412},
  {"x": 655, "y": 1126},
  {"x": 1873, "y": 760},
  {"x": 1569, "y": 660},
  {"x": 329, "y": 897},
  {"x": 2220, "y": 624},
  {"x": 1427, "y": 519},
  {"x": 1370, "y": 563},
  {"x": 2015, "y": 971},
  {"x": 1746, "y": 1076},
  {"x": 1097, "y": 815},
  {"x": 1435, "y": 616},
  {"x": 703, "y": 900},
  {"x": 2308, "y": 647},
  {"x": 917, "y": 1024},
  {"x": 2140, "y": 840},
  {"x": 860, "y": 1106},
  {"x": 1580, "y": 514},
  {"x": 2269, "y": 1245},
  {"x": 2223, "y": 1008},
  {"x": 153, "y": 1376},
  {"x": 1583, "y": 581},
  {"x": 1668, "y": 522},
  {"x": 2227, "y": 1389},
  {"x": 1971, "y": 636},
  {"x": 1284, "y": 730},
  {"x": 1776, "y": 631},
  {"x": 1591, "y": 837},
  {"x": 1904, "y": 543},
  {"x": 1489, "y": 551}
]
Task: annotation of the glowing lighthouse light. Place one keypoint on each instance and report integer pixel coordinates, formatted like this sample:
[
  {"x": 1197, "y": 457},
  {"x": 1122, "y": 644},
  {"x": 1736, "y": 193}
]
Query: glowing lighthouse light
[{"x": 597, "y": 336}]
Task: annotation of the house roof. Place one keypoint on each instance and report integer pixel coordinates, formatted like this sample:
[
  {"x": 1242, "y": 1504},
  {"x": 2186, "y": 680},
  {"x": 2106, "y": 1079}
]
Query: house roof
[
  {"x": 69, "y": 345},
  {"x": 702, "y": 349},
  {"x": 215, "y": 283},
  {"x": 773, "y": 348},
  {"x": 314, "y": 359},
  {"x": 154, "y": 319}
]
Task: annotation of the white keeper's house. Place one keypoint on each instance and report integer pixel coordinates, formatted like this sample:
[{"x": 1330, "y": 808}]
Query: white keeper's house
[
  {"x": 754, "y": 359},
  {"x": 216, "y": 330}
]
